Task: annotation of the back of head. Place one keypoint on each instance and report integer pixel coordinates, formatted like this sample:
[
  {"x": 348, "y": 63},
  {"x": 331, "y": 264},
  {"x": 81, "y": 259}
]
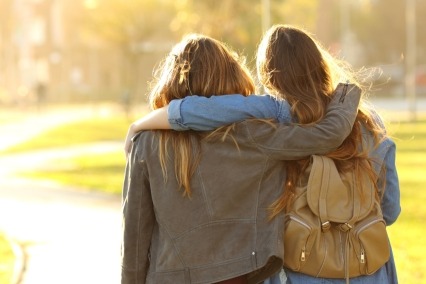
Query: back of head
[
  {"x": 291, "y": 65},
  {"x": 197, "y": 65},
  {"x": 200, "y": 65}
]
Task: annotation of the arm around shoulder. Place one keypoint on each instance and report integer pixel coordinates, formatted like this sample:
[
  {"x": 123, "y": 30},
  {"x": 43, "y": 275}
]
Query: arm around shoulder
[
  {"x": 289, "y": 142},
  {"x": 156, "y": 119},
  {"x": 208, "y": 113}
]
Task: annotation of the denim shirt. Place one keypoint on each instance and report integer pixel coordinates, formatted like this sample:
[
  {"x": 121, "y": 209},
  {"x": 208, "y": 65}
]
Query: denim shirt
[{"x": 204, "y": 114}]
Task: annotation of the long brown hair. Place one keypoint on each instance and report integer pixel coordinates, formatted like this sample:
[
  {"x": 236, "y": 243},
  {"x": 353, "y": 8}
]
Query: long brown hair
[
  {"x": 197, "y": 65},
  {"x": 292, "y": 65}
]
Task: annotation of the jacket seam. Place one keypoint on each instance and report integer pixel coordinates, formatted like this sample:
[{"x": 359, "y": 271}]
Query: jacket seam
[
  {"x": 174, "y": 243},
  {"x": 208, "y": 205}
]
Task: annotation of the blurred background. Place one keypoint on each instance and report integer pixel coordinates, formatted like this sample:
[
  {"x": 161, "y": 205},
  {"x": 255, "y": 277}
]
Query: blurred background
[
  {"x": 94, "y": 50},
  {"x": 75, "y": 73}
]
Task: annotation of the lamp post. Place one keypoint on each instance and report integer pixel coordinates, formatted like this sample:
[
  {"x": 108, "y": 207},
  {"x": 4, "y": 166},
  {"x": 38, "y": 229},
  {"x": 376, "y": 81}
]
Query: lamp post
[
  {"x": 266, "y": 15},
  {"x": 344, "y": 27},
  {"x": 410, "y": 56}
]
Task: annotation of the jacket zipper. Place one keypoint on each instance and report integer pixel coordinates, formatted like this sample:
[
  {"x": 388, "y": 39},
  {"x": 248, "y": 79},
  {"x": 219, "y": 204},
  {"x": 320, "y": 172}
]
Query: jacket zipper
[{"x": 345, "y": 89}]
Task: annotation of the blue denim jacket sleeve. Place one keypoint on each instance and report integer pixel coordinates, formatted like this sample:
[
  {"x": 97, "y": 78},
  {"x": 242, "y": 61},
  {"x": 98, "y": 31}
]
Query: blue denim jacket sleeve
[
  {"x": 204, "y": 114},
  {"x": 390, "y": 203},
  {"x": 384, "y": 163}
]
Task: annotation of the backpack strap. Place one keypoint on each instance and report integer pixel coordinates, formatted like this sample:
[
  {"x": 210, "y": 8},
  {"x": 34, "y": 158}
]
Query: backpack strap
[
  {"x": 330, "y": 174},
  {"x": 328, "y": 185},
  {"x": 322, "y": 165},
  {"x": 356, "y": 211}
]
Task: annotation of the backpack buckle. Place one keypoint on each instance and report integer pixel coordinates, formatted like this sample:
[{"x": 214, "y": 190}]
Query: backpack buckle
[
  {"x": 345, "y": 227},
  {"x": 325, "y": 226}
]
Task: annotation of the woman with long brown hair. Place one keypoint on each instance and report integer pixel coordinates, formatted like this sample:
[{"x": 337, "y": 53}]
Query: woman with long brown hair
[
  {"x": 294, "y": 67},
  {"x": 195, "y": 203}
]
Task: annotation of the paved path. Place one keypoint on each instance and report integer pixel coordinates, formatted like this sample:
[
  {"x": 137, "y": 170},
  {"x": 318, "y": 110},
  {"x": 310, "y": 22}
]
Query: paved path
[{"x": 67, "y": 235}]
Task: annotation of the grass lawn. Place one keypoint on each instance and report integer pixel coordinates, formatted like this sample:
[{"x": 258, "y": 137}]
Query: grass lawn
[
  {"x": 407, "y": 234},
  {"x": 7, "y": 260},
  {"x": 94, "y": 130},
  {"x": 102, "y": 172}
]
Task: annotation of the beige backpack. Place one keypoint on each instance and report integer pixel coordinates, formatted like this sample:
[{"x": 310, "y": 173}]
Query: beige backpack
[{"x": 329, "y": 232}]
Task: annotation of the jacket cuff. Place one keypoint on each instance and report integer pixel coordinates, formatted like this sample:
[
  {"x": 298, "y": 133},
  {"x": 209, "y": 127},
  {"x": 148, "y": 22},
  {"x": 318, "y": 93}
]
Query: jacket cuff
[{"x": 174, "y": 115}]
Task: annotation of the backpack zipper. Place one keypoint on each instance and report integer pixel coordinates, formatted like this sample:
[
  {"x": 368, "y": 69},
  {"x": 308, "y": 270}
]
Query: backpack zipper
[
  {"x": 294, "y": 218},
  {"x": 297, "y": 220},
  {"x": 366, "y": 225},
  {"x": 362, "y": 255}
]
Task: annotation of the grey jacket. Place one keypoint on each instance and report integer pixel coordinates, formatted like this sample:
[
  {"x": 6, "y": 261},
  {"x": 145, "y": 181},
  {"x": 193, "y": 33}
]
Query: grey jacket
[{"x": 223, "y": 230}]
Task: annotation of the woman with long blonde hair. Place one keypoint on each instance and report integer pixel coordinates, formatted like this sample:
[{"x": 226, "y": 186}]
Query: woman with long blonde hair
[
  {"x": 195, "y": 204},
  {"x": 302, "y": 76}
]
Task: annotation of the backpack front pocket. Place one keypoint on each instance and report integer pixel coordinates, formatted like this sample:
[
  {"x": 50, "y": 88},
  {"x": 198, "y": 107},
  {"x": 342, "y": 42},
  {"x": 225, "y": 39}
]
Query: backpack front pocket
[
  {"x": 298, "y": 242},
  {"x": 374, "y": 246}
]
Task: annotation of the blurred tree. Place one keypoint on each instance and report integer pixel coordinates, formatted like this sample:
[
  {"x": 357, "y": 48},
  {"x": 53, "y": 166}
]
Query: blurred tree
[
  {"x": 235, "y": 22},
  {"x": 380, "y": 27},
  {"x": 239, "y": 22},
  {"x": 132, "y": 28},
  {"x": 302, "y": 13},
  {"x": 123, "y": 39},
  {"x": 127, "y": 22}
]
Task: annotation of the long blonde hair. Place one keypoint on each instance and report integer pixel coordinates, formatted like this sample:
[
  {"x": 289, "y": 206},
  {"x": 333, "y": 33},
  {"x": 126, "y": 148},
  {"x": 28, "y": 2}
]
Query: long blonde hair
[
  {"x": 197, "y": 65},
  {"x": 292, "y": 65}
]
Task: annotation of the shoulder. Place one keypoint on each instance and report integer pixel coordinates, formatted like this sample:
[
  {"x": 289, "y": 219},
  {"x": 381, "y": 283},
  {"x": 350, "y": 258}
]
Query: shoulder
[
  {"x": 145, "y": 142},
  {"x": 142, "y": 136}
]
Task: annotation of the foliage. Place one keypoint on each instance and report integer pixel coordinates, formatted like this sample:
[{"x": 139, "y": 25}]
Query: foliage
[
  {"x": 375, "y": 23},
  {"x": 378, "y": 36},
  {"x": 239, "y": 23},
  {"x": 129, "y": 21}
]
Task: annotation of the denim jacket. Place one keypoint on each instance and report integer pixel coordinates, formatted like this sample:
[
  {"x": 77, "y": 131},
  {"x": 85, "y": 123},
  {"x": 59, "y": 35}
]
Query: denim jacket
[
  {"x": 223, "y": 230},
  {"x": 201, "y": 113}
]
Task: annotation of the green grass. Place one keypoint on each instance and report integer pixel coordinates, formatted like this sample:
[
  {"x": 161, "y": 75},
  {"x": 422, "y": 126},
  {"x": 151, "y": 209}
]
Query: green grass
[
  {"x": 7, "y": 260},
  {"x": 102, "y": 172},
  {"x": 94, "y": 130},
  {"x": 407, "y": 234}
]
